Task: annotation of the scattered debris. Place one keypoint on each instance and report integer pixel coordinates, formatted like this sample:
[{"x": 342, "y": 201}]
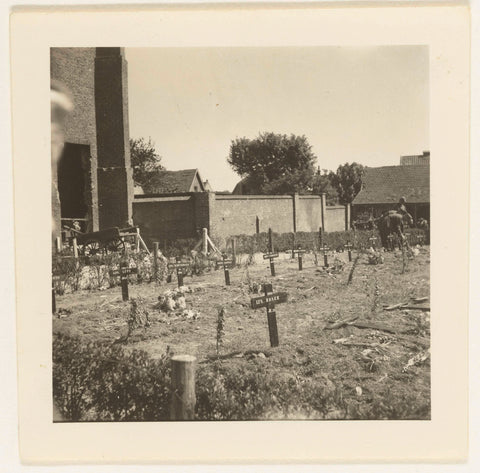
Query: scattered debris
[
  {"x": 416, "y": 360},
  {"x": 359, "y": 391},
  {"x": 340, "y": 323},
  {"x": 420, "y": 299}
]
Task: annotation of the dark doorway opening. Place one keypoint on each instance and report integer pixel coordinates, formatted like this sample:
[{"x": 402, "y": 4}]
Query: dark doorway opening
[{"x": 72, "y": 181}]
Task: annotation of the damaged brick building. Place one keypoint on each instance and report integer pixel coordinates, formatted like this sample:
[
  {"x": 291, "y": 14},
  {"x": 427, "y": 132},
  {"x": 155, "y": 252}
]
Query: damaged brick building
[{"x": 94, "y": 175}]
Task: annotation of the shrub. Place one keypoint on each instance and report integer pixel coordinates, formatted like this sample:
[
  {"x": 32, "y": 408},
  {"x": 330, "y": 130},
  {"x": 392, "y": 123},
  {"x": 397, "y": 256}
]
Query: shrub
[{"x": 97, "y": 381}]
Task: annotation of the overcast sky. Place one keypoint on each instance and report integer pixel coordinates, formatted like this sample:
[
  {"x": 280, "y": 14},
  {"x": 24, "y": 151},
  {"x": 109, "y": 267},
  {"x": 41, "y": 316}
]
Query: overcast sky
[{"x": 364, "y": 104}]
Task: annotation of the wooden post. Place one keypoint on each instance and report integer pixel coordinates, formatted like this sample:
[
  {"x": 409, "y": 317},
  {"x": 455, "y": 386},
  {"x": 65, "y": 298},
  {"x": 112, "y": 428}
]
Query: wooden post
[
  {"x": 257, "y": 224},
  {"x": 320, "y": 236},
  {"x": 155, "y": 260},
  {"x": 234, "y": 252},
  {"x": 204, "y": 242},
  {"x": 293, "y": 245},
  {"x": 75, "y": 248},
  {"x": 183, "y": 388},
  {"x": 58, "y": 242},
  {"x": 137, "y": 240},
  {"x": 124, "y": 280}
]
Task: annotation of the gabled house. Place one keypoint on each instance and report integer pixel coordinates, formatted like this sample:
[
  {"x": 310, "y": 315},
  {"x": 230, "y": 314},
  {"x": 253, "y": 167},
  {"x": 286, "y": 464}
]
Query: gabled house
[
  {"x": 382, "y": 188},
  {"x": 175, "y": 182}
]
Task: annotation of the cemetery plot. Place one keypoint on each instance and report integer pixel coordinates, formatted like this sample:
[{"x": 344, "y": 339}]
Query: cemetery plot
[{"x": 365, "y": 343}]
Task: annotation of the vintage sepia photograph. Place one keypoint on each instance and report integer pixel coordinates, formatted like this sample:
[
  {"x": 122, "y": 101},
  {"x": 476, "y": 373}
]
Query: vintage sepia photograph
[
  {"x": 231, "y": 242},
  {"x": 240, "y": 233}
]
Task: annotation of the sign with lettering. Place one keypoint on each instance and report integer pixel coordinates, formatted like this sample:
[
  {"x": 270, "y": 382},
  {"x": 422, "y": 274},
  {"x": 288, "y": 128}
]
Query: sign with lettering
[
  {"x": 124, "y": 271},
  {"x": 263, "y": 301},
  {"x": 300, "y": 253},
  {"x": 179, "y": 266},
  {"x": 268, "y": 300}
]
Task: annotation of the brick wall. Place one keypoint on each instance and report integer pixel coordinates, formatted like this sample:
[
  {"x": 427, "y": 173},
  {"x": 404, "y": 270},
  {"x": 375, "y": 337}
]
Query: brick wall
[
  {"x": 309, "y": 214},
  {"x": 165, "y": 218},
  {"x": 74, "y": 68},
  {"x": 177, "y": 216},
  {"x": 335, "y": 219},
  {"x": 234, "y": 215}
]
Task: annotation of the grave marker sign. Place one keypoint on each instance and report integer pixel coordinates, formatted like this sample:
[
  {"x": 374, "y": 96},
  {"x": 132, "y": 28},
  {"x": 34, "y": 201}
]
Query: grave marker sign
[
  {"x": 325, "y": 250},
  {"x": 349, "y": 247},
  {"x": 124, "y": 271},
  {"x": 227, "y": 264},
  {"x": 270, "y": 255},
  {"x": 372, "y": 241},
  {"x": 391, "y": 244},
  {"x": 179, "y": 266},
  {"x": 299, "y": 252},
  {"x": 55, "y": 278},
  {"x": 269, "y": 300}
]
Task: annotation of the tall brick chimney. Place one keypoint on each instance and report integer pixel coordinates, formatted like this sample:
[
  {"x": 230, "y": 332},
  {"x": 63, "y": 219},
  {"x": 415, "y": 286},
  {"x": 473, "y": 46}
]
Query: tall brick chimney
[{"x": 114, "y": 172}]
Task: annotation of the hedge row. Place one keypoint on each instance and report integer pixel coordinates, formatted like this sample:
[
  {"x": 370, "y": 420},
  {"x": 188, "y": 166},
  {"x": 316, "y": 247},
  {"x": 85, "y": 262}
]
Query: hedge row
[
  {"x": 99, "y": 382},
  {"x": 310, "y": 241}
]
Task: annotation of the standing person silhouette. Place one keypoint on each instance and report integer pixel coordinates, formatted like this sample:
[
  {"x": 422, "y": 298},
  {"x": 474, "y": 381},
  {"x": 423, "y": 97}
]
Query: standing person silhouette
[{"x": 60, "y": 106}]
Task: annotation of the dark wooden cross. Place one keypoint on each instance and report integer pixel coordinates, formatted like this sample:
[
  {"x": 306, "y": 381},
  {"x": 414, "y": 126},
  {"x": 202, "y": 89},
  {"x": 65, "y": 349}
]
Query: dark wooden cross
[
  {"x": 390, "y": 239},
  {"x": 227, "y": 264},
  {"x": 179, "y": 266},
  {"x": 324, "y": 249},
  {"x": 271, "y": 254},
  {"x": 269, "y": 300},
  {"x": 299, "y": 252},
  {"x": 124, "y": 271},
  {"x": 349, "y": 247},
  {"x": 55, "y": 278},
  {"x": 372, "y": 241}
]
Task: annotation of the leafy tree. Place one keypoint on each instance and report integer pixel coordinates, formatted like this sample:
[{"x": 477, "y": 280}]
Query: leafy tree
[
  {"x": 322, "y": 184},
  {"x": 348, "y": 181},
  {"x": 274, "y": 163},
  {"x": 145, "y": 161}
]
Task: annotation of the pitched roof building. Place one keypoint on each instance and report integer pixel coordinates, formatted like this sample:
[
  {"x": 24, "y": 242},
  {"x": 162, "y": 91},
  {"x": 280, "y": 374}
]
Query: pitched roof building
[
  {"x": 173, "y": 182},
  {"x": 383, "y": 187}
]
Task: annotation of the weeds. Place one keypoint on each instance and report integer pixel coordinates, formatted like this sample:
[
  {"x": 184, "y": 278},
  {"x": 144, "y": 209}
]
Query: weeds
[{"x": 220, "y": 329}]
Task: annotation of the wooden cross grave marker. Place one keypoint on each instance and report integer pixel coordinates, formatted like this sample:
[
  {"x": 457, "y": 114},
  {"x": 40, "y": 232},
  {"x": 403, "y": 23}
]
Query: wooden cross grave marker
[
  {"x": 391, "y": 243},
  {"x": 271, "y": 254},
  {"x": 269, "y": 300},
  {"x": 227, "y": 264},
  {"x": 349, "y": 247},
  {"x": 179, "y": 266},
  {"x": 124, "y": 271},
  {"x": 55, "y": 278},
  {"x": 299, "y": 252},
  {"x": 325, "y": 250},
  {"x": 372, "y": 241}
]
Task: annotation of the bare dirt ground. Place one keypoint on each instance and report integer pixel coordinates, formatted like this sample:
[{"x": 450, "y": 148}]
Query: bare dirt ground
[{"x": 386, "y": 354}]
